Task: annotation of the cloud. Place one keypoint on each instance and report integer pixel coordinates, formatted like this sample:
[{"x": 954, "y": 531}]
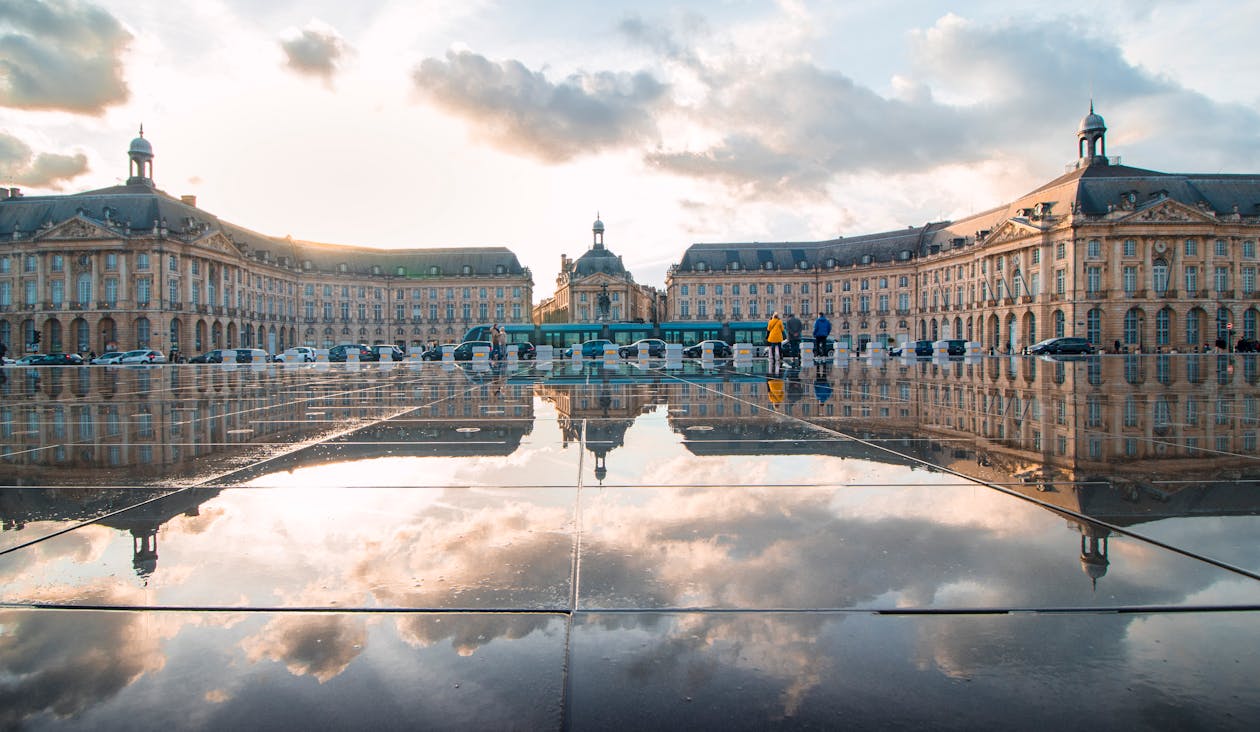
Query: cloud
[
  {"x": 61, "y": 55},
  {"x": 19, "y": 164},
  {"x": 317, "y": 645},
  {"x": 316, "y": 50},
  {"x": 521, "y": 111}
]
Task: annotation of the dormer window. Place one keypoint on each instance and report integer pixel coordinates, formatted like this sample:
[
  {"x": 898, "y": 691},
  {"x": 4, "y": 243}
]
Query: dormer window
[
  {"x": 435, "y": 270},
  {"x": 831, "y": 262},
  {"x": 803, "y": 264},
  {"x": 500, "y": 269},
  {"x": 466, "y": 269},
  {"x": 376, "y": 269},
  {"x": 401, "y": 271},
  {"x": 734, "y": 266},
  {"x": 343, "y": 267},
  {"x": 768, "y": 265},
  {"x": 701, "y": 266},
  {"x": 306, "y": 265}
]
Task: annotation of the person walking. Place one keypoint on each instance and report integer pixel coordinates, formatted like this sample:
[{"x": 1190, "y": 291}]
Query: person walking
[
  {"x": 794, "y": 329},
  {"x": 822, "y": 329},
  {"x": 774, "y": 337}
]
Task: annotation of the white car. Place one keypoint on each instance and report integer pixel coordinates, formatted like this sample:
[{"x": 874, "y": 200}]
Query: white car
[
  {"x": 144, "y": 355},
  {"x": 302, "y": 353},
  {"x": 108, "y": 357}
]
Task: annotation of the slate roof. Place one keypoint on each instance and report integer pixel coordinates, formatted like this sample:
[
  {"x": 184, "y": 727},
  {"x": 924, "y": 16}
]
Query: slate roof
[
  {"x": 1090, "y": 190},
  {"x": 134, "y": 208},
  {"x": 596, "y": 260}
]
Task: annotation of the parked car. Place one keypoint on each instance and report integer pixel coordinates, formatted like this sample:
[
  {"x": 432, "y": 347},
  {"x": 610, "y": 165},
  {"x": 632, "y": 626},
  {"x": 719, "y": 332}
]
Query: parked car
[
  {"x": 108, "y": 357},
  {"x": 142, "y": 355},
  {"x": 956, "y": 346},
  {"x": 215, "y": 356},
  {"x": 589, "y": 349},
  {"x": 31, "y": 359},
  {"x": 721, "y": 349},
  {"x": 57, "y": 359},
  {"x": 1066, "y": 345},
  {"x": 435, "y": 353},
  {"x": 464, "y": 351},
  {"x": 249, "y": 355},
  {"x": 337, "y": 354},
  {"x": 300, "y": 353},
  {"x": 655, "y": 348},
  {"x": 389, "y": 351},
  {"x": 921, "y": 349}
]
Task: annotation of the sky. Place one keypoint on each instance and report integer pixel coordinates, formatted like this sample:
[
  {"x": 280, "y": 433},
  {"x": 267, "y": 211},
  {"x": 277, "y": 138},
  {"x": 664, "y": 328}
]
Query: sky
[{"x": 482, "y": 123}]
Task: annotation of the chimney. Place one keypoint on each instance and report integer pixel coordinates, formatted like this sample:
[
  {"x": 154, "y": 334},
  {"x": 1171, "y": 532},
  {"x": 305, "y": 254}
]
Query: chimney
[
  {"x": 4, "y": 194},
  {"x": 15, "y": 193},
  {"x": 189, "y": 200}
]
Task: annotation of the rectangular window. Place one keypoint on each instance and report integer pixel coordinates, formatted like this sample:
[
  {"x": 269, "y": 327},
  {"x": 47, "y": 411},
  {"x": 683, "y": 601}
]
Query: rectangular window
[
  {"x": 58, "y": 292},
  {"x": 1130, "y": 279},
  {"x": 1222, "y": 248},
  {"x": 1192, "y": 247},
  {"x": 1220, "y": 279},
  {"x": 1060, "y": 281},
  {"x": 684, "y": 290},
  {"x": 1192, "y": 280},
  {"x": 1060, "y": 250},
  {"x": 1094, "y": 249},
  {"x": 58, "y": 263},
  {"x": 142, "y": 261},
  {"x": 1248, "y": 280},
  {"x": 1249, "y": 249},
  {"x": 28, "y": 265},
  {"x": 5, "y": 265},
  {"x": 172, "y": 291},
  {"x": 1130, "y": 247},
  {"x": 1036, "y": 255},
  {"x": 700, "y": 289},
  {"x": 143, "y": 294}
]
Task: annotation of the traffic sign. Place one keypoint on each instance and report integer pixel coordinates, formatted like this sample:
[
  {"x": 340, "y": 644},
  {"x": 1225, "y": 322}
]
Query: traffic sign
[{"x": 1229, "y": 326}]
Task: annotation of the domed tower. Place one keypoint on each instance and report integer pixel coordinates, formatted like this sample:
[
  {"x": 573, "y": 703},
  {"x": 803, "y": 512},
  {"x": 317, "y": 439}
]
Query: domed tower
[
  {"x": 1094, "y": 560},
  {"x": 141, "y": 155},
  {"x": 1091, "y": 139},
  {"x": 597, "y": 233}
]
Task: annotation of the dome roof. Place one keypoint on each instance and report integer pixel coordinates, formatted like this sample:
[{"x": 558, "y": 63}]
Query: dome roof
[
  {"x": 597, "y": 226},
  {"x": 598, "y": 260},
  {"x": 141, "y": 146},
  {"x": 1092, "y": 122}
]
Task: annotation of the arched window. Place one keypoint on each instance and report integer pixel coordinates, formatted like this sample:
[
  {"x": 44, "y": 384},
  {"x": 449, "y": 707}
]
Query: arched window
[
  {"x": 1093, "y": 326},
  {"x": 1032, "y": 328},
  {"x": 1159, "y": 276},
  {"x": 142, "y": 332},
  {"x": 1194, "y": 327},
  {"x": 1132, "y": 326},
  {"x": 1163, "y": 327},
  {"x": 1060, "y": 324}
]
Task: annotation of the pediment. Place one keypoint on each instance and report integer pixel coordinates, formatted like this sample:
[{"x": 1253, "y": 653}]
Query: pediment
[
  {"x": 218, "y": 242},
  {"x": 1010, "y": 230},
  {"x": 77, "y": 228},
  {"x": 1168, "y": 211}
]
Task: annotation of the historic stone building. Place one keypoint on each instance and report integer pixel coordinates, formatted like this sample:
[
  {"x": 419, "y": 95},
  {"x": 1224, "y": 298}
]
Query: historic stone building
[
  {"x": 132, "y": 267},
  {"x": 597, "y": 287},
  {"x": 1154, "y": 261}
]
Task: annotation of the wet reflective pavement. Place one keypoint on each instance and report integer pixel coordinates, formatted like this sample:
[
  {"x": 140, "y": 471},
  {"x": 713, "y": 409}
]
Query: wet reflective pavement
[{"x": 943, "y": 544}]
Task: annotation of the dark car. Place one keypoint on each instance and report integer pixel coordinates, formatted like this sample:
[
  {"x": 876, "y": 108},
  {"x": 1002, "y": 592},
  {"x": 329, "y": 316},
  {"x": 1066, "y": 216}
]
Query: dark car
[
  {"x": 388, "y": 350},
  {"x": 956, "y": 346},
  {"x": 58, "y": 359},
  {"x": 337, "y": 354},
  {"x": 215, "y": 356},
  {"x": 589, "y": 349},
  {"x": 655, "y": 348},
  {"x": 922, "y": 349},
  {"x": 721, "y": 349},
  {"x": 790, "y": 350},
  {"x": 435, "y": 353},
  {"x": 1066, "y": 345},
  {"x": 464, "y": 351}
]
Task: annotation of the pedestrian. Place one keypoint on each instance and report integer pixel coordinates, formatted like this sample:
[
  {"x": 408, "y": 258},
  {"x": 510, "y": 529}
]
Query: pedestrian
[
  {"x": 502, "y": 343},
  {"x": 774, "y": 338},
  {"x": 1117, "y": 346},
  {"x": 822, "y": 329},
  {"x": 4, "y": 350},
  {"x": 794, "y": 328},
  {"x": 494, "y": 342}
]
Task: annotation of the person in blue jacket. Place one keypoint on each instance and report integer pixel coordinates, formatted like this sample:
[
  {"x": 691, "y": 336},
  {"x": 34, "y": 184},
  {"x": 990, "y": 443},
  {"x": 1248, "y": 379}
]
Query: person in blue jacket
[{"x": 822, "y": 329}]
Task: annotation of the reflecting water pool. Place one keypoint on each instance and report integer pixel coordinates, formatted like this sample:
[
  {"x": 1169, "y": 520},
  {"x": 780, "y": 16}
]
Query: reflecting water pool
[{"x": 637, "y": 545}]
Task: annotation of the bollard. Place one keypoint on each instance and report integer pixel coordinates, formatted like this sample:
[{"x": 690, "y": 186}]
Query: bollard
[
  {"x": 610, "y": 353},
  {"x": 543, "y": 354},
  {"x": 448, "y": 354},
  {"x": 352, "y": 355},
  {"x": 481, "y": 356},
  {"x": 940, "y": 350},
  {"x": 743, "y": 352},
  {"x": 321, "y": 355}
]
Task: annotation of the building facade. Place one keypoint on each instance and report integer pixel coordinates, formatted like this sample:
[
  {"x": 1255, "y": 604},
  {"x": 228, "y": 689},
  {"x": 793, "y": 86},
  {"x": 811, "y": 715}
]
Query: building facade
[
  {"x": 597, "y": 287},
  {"x": 132, "y": 267},
  {"x": 1123, "y": 256}
]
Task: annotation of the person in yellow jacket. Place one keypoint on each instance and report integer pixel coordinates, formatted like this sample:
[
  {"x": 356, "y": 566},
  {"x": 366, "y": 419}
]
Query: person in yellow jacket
[{"x": 774, "y": 337}]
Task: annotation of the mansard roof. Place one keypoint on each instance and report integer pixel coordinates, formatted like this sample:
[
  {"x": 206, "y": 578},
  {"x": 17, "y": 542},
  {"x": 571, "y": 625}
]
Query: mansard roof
[
  {"x": 1087, "y": 190},
  {"x": 134, "y": 211}
]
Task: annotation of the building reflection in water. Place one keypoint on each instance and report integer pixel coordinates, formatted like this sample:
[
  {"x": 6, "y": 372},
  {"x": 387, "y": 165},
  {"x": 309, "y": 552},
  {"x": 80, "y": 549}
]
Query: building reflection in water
[{"x": 1122, "y": 440}]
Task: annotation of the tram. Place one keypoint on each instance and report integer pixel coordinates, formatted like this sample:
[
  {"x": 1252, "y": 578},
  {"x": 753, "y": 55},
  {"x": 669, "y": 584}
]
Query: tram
[{"x": 690, "y": 332}]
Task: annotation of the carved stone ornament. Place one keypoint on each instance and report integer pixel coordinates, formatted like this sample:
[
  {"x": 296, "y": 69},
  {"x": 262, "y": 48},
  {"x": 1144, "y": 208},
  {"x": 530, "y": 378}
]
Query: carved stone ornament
[
  {"x": 1170, "y": 212},
  {"x": 1009, "y": 231},
  {"x": 76, "y": 229}
]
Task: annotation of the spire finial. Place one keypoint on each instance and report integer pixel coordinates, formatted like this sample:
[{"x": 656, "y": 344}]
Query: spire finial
[
  {"x": 1091, "y": 105},
  {"x": 142, "y": 125}
]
